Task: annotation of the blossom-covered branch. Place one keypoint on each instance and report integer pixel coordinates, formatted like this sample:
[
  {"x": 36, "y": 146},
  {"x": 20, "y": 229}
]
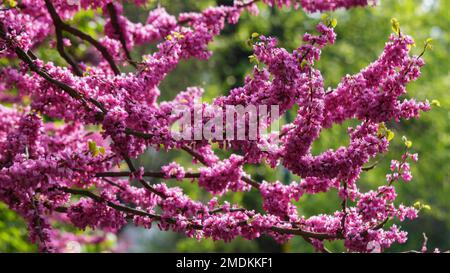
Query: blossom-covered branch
[{"x": 109, "y": 118}]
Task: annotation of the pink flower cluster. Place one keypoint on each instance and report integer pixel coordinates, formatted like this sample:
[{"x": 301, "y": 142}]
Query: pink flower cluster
[
  {"x": 109, "y": 117},
  {"x": 173, "y": 170},
  {"x": 277, "y": 199},
  {"x": 158, "y": 25},
  {"x": 402, "y": 169},
  {"x": 223, "y": 176}
]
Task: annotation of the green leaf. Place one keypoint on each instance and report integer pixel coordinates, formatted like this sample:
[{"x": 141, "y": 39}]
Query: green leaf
[
  {"x": 178, "y": 35},
  {"x": 93, "y": 147},
  {"x": 253, "y": 59},
  {"x": 408, "y": 143},
  {"x": 334, "y": 22},
  {"x": 304, "y": 63},
  {"x": 429, "y": 44},
  {"x": 253, "y": 39},
  {"x": 329, "y": 21},
  {"x": 255, "y": 35},
  {"x": 383, "y": 131},
  {"x": 12, "y": 3},
  {"x": 417, "y": 205},
  {"x": 395, "y": 25},
  {"x": 390, "y": 135},
  {"x": 436, "y": 103}
]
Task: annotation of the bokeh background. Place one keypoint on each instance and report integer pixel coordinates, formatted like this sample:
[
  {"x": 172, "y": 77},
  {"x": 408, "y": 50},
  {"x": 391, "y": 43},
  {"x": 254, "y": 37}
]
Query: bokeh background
[{"x": 362, "y": 33}]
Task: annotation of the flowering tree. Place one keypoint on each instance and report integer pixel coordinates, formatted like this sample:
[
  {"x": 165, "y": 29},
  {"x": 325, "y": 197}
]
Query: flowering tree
[{"x": 52, "y": 173}]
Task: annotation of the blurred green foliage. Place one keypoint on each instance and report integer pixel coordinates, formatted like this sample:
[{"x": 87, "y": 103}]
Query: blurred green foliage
[
  {"x": 13, "y": 232},
  {"x": 362, "y": 33}
]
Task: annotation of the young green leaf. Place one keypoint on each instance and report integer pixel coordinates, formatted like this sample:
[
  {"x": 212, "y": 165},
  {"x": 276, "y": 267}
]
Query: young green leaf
[
  {"x": 436, "y": 103},
  {"x": 93, "y": 148},
  {"x": 334, "y": 22},
  {"x": 408, "y": 143},
  {"x": 395, "y": 25}
]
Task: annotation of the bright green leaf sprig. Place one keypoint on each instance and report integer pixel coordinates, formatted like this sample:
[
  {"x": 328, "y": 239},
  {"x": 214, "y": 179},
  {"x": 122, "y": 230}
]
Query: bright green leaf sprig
[
  {"x": 253, "y": 59},
  {"x": 175, "y": 35},
  {"x": 10, "y": 3},
  {"x": 304, "y": 64},
  {"x": 395, "y": 24},
  {"x": 407, "y": 142},
  {"x": 329, "y": 21},
  {"x": 429, "y": 44},
  {"x": 420, "y": 206},
  {"x": 94, "y": 149},
  {"x": 383, "y": 131},
  {"x": 436, "y": 103},
  {"x": 253, "y": 39}
]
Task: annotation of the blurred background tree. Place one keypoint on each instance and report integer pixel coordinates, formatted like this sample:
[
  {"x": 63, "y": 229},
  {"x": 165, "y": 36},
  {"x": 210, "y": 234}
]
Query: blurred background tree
[{"x": 361, "y": 37}]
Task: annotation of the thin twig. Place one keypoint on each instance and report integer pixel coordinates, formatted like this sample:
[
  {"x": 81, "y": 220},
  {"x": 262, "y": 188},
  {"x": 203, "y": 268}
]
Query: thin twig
[
  {"x": 37, "y": 219},
  {"x": 57, "y": 22},
  {"x": 370, "y": 167},
  {"x": 115, "y": 23},
  {"x": 344, "y": 208},
  {"x": 200, "y": 158},
  {"x": 144, "y": 183}
]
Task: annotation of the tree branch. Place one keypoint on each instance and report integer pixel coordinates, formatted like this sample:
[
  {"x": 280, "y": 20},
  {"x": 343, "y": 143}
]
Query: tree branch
[
  {"x": 241, "y": 6},
  {"x": 146, "y": 174},
  {"x": 133, "y": 211},
  {"x": 59, "y": 39},
  {"x": 25, "y": 57},
  {"x": 37, "y": 219},
  {"x": 344, "y": 208},
  {"x": 115, "y": 23},
  {"x": 64, "y": 26},
  {"x": 368, "y": 168},
  {"x": 308, "y": 234},
  {"x": 113, "y": 205},
  {"x": 200, "y": 158},
  {"x": 144, "y": 183}
]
